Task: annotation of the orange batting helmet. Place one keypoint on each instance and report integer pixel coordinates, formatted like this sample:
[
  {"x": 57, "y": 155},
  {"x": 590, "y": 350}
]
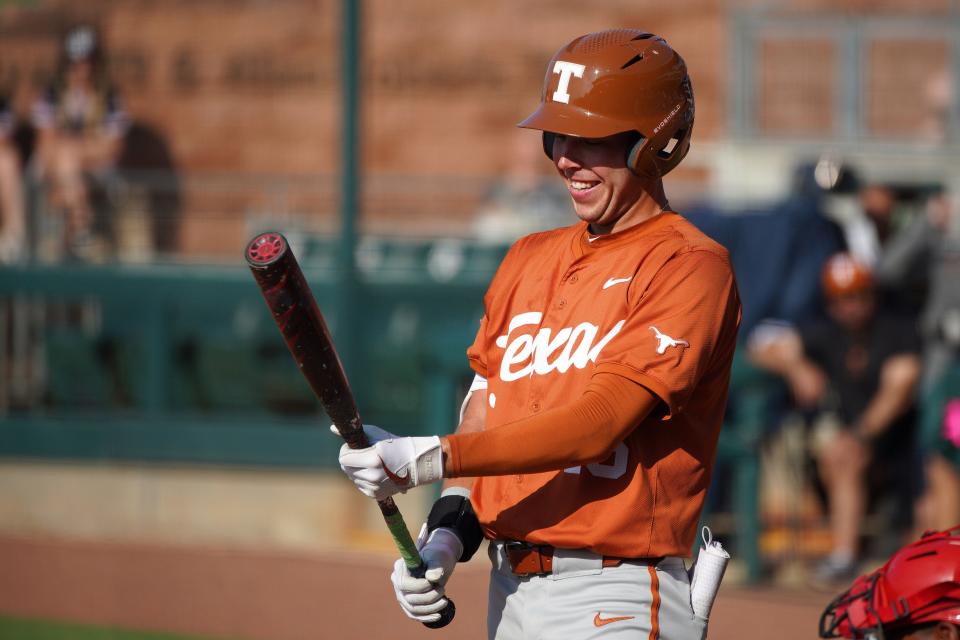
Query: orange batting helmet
[{"x": 619, "y": 80}]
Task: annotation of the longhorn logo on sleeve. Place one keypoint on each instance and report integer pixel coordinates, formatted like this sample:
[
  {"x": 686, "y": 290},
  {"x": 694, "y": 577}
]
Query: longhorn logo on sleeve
[
  {"x": 527, "y": 354},
  {"x": 664, "y": 341}
]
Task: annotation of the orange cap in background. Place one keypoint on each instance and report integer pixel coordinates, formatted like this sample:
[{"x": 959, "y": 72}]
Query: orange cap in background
[{"x": 843, "y": 275}]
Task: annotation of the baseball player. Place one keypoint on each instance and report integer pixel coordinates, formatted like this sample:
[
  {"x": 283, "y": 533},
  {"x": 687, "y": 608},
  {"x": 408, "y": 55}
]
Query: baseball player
[
  {"x": 602, "y": 364},
  {"x": 914, "y": 596}
]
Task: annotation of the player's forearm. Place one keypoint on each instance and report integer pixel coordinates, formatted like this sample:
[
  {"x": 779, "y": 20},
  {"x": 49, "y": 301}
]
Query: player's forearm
[
  {"x": 898, "y": 381},
  {"x": 585, "y": 431},
  {"x": 473, "y": 421}
]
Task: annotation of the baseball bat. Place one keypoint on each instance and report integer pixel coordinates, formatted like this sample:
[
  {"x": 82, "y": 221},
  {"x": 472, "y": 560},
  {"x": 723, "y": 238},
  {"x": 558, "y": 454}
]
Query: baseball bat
[{"x": 304, "y": 329}]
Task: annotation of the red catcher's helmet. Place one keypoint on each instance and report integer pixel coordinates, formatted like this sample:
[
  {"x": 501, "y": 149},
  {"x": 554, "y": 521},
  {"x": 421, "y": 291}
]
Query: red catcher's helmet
[
  {"x": 919, "y": 584},
  {"x": 619, "y": 80},
  {"x": 843, "y": 274}
]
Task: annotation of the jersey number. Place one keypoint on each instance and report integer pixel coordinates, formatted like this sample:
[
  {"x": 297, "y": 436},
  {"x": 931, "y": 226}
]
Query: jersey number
[{"x": 609, "y": 469}]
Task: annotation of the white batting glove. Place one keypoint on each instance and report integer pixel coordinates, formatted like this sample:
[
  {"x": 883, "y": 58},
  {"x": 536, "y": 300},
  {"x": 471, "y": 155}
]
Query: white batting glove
[
  {"x": 423, "y": 598},
  {"x": 392, "y": 464}
]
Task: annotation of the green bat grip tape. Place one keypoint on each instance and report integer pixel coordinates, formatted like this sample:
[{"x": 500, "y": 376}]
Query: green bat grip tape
[
  {"x": 411, "y": 557},
  {"x": 405, "y": 544}
]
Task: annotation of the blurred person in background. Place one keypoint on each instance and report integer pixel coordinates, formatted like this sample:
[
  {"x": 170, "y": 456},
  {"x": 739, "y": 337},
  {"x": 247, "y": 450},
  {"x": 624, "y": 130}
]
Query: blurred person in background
[
  {"x": 934, "y": 241},
  {"x": 81, "y": 126},
  {"x": 931, "y": 244},
  {"x": 872, "y": 228},
  {"x": 778, "y": 252},
  {"x": 880, "y": 229},
  {"x": 863, "y": 210},
  {"x": 12, "y": 211},
  {"x": 940, "y": 444},
  {"x": 857, "y": 371}
]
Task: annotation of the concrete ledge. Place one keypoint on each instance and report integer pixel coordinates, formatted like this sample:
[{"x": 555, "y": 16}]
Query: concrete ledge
[{"x": 264, "y": 509}]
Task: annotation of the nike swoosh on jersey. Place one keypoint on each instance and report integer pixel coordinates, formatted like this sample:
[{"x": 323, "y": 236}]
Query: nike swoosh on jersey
[
  {"x": 612, "y": 281},
  {"x": 400, "y": 481},
  {"x": 599, "y": 622}
]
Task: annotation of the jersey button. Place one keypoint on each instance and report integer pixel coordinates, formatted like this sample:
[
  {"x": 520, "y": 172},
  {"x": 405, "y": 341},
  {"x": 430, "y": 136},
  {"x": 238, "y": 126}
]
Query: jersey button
[
  {"x": 573, "y": 278},
  {"x": 562, "y": 303},
  {"x": 535, "y": 406}
]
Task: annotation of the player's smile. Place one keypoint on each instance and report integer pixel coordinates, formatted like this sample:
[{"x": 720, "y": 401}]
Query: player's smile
[{"x": 582, "y": 190}]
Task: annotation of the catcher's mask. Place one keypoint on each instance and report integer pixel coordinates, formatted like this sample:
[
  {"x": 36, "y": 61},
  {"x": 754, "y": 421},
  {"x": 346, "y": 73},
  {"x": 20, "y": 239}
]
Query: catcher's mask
[{"x": 919, "y": 584}]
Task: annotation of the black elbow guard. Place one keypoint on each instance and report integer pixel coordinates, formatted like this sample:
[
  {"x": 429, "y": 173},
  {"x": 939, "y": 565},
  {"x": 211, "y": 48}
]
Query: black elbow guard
[{"x": 456, "y": 512}]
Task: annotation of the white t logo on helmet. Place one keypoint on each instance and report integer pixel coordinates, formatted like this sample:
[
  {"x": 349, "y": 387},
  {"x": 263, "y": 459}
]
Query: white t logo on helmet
[{"x": 565, "y": 69}]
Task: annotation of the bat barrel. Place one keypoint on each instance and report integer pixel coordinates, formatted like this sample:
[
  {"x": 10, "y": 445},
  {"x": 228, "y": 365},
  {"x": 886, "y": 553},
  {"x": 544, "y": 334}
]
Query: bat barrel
[{"x": 304, "y": 330}]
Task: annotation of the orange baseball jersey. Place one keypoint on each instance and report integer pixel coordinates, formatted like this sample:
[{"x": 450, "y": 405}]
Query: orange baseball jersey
[{"x": 657, "y": 304}]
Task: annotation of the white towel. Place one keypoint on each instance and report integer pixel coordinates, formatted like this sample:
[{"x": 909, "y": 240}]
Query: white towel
[{"x": 707, "y": 574}]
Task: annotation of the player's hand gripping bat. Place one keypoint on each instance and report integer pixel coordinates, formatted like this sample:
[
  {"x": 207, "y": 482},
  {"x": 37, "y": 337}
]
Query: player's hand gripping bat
[{"x": 304, "y": 330}]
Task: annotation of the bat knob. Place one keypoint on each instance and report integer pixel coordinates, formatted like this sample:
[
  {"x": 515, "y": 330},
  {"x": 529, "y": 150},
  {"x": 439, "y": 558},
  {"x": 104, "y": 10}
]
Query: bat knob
[
  {"x": 265, "y": 248},
  {"x": 446, "y": 616}
]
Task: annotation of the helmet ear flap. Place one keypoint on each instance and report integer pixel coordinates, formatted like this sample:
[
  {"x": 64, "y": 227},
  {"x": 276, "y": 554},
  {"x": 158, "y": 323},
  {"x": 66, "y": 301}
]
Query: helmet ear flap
[
  {"x": 548, "y": 139},
  {"x": 634, "y": 153}
]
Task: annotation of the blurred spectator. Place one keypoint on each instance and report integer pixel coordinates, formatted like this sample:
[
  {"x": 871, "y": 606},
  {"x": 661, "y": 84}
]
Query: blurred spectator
[
  {"x": 12, "y": 218},
  {"x": 149, "y": 195},
  {"x": 525, "y": 200},
  {"x": 858, "y": 370},
  {"x": 870, "y": 223},
  {"x": 863, "y": 211},
  {"x": 879, "y": 231},
  {"x": 938, "y": 100},
  {"x": 879, "y": 202},
  {"x": 81, "y": 125},
  {"x": 935, "y": 239},
  {"x": 778, "y": 252},
  {"x": 932, "y": 244},
  {"x": 940, "y": 440}
]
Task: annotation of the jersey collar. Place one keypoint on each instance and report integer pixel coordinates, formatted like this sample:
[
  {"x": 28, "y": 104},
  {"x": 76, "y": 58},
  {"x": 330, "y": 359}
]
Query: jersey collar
[{"x": 588, "y": 243}]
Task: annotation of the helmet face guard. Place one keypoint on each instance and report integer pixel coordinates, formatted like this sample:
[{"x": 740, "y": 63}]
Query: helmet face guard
[
  {"x": 920, "y": 584},
  {"x": 614, "y": 81},
  {"x": 836, "y": 622}
]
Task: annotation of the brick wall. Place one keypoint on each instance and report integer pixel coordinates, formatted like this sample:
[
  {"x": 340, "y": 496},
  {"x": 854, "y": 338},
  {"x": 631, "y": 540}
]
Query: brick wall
[{"x": 250, "y": 86}]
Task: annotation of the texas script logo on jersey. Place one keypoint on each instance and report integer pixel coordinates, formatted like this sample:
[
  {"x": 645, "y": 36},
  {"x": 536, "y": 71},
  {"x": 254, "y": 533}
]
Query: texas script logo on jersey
[
  {"x": 664, "y": 341},
  {"x": 527, "y": 354}
]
